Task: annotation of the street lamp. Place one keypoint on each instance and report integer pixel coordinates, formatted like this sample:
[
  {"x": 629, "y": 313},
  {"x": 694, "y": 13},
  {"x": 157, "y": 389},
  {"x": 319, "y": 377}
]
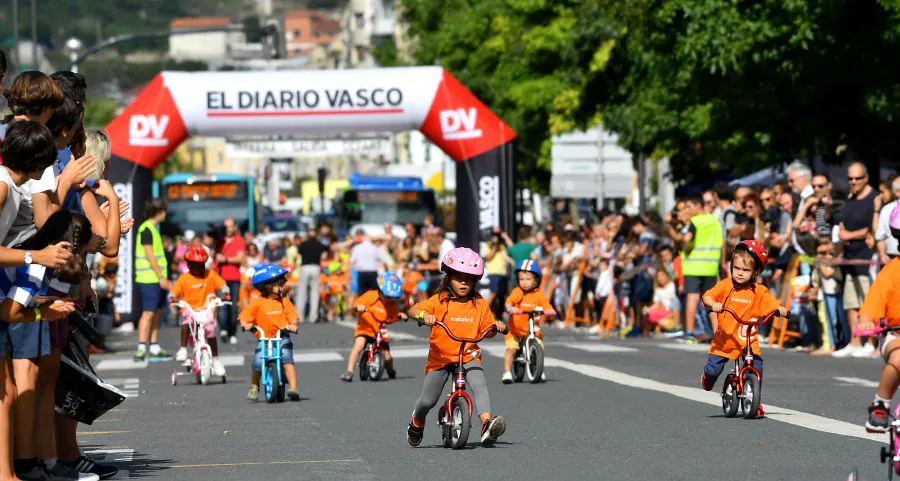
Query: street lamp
[{"x": 74, "y": 47}]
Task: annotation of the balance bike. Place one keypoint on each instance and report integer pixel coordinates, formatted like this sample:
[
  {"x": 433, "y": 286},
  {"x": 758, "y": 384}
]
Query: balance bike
[
  {"x": 272, "y": 380},
  {"x": 742, "y": 387},
  {"x": 889, "y": 454},
  {"x": 201, "y": 359},
  {"x": 371, "y": 362},
  {"x": 455, "y": 415},
  {"x": 529, "y": 359}
]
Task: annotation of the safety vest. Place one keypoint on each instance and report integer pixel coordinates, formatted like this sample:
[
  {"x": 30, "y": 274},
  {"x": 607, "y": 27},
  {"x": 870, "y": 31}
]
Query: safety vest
[
  {"x": 143, "y": 273},
  {"x": 706, "y": 255}
]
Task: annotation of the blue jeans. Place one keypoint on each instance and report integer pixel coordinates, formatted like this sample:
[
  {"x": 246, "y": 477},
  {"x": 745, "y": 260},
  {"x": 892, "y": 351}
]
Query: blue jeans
[
  {"x": 716, "y": 364},
  {"x": 228, "y": 314},
  {"x": 809, "y": 323},
  {"x": 834, "y": 309}
]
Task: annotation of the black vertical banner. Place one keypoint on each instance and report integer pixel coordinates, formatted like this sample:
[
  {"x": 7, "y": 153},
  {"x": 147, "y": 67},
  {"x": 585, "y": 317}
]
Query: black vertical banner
[
  {"x": 485, "y": 195},
  {"x": 133, "y": 184}
]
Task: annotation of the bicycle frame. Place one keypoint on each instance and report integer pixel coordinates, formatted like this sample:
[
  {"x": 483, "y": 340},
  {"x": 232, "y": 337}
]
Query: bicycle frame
[
  {"x": 270, "y": 350},
  {"x": 377, "y": 344},
  {"x": 197, "y": 320},
  {"x": 747, "y": 351},
  {"x": 459, "y": 383}
]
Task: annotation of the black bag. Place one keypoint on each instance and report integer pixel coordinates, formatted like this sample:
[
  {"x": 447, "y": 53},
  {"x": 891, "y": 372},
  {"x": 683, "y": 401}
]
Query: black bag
[{"x": 80, "y": 393}]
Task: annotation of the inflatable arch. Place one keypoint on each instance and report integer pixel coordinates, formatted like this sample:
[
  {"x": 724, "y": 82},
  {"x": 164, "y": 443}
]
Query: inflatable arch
[{"x": 176, "y": 105}]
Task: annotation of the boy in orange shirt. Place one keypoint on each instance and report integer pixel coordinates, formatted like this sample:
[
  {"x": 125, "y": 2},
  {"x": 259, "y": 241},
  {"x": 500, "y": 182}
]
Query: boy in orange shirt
[
  {"x": 522, "y": 301},
  {"x": 271, "y": 312},
  {"x": 466, "y": 314},
  {"x": 375, "y": 307},
  {"x": 194, "y": 287},
  {"x": 883, "y": 302},
  {"x": 749, "y": 300}
]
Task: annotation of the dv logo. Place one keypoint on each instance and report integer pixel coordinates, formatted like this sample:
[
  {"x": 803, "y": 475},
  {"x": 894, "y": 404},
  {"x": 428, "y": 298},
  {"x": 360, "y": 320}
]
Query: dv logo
[
  {"x": 148, "y": 130},
  {"x": 459, "y": 124}
]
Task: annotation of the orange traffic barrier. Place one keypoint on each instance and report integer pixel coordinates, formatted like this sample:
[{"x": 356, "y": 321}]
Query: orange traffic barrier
[{"x": 779, "y": 332}]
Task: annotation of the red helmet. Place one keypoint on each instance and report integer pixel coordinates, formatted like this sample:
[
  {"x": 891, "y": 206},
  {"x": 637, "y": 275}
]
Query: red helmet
[
  {"x": 196, "y": 253},
  {"x": 757, "y": 250}
]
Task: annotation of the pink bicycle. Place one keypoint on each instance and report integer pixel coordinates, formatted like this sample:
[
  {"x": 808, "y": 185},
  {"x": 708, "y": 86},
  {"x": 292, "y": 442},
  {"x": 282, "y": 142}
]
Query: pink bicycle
[
  {"x": 198, "y": 320},
  {"x": 889, "y": 454}
]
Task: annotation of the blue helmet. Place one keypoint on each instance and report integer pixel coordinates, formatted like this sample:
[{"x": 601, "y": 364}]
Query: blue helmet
[
  {"x": 531, "y": 266},
  {"x": 267, "y": 272},
  {"x": 390, "y": 285}
]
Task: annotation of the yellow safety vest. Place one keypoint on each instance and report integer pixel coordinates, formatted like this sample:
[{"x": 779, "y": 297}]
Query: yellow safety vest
[
  {"x": 706, "y": 255},
  {"x": 143, "y": 273}
]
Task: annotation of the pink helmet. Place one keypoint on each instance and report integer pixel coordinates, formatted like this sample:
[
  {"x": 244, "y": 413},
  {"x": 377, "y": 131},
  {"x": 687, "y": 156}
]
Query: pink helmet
[
  {"x": 463, "y": 260},
  {"x": 895, "y": 217}
]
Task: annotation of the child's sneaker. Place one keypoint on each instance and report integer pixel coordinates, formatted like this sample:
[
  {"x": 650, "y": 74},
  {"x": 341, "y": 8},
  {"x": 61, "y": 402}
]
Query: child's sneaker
[
  {"x": 347, "y": 377},
  {"x": 217, "y": 368},
  {"x": 507, "y": 378},
  {"x": 706, "y": 382},
  {"x": 879, "y": 418},
  {"x": 181, "y": 355},
  {"x": 392, "y": 374},
  {"x": 492, "y": 429},
  {"x": 293, "y": 395},
  {"x": 414, "y": 435},
  {"x": 253, "y": 394},
  {"x": 760, "y": 413},
  {"x": 140, "y": 355},
  {"x": 544, "y": 376}
]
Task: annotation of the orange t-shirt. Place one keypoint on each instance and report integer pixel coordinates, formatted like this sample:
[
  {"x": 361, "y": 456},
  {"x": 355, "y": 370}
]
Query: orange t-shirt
[
  {"x": 518, "y": 323},
  {"x": 411, "y": 281},
  {"x": 464, "y": 319},
  {"x": 883, "y": 299},
  {"x": 749, "y": 303},
  {"x": 194, "y": 290},
  {"x": 337, "y": 282},
  {"x": 270, "y": 315},
  {"x": 377, "y": 312}
]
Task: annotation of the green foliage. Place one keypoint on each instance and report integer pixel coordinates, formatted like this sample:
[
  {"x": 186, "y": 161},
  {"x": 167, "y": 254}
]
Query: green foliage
[
  {"x": 385, "y": 53},
  {"x": 99, "y": 112},
  {"x": 100, "y": 70},
  {"x": 520, "y": 57}
]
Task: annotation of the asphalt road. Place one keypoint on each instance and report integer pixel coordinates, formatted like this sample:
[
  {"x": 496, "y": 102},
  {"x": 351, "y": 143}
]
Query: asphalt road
[{"x": 611, "y": 409}]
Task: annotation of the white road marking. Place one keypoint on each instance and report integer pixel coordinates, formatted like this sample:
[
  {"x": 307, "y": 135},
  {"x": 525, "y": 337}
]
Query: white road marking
[
  {"x": 857, "y": 381},
  {"x": 409, "y": 352},
  {"x": 323, "y": 356},
  {"x": 131, "y": 386},
  {"x": 113, "y": 456},
  {"x": 788, "y": 416},
  {"x": 686, "y": 347},
  {"x": 120, "y": 364},
  {"x": 392, "y": 335},
  {"x": 596, "y": 347},
  {"x": 232, "y": 359}
]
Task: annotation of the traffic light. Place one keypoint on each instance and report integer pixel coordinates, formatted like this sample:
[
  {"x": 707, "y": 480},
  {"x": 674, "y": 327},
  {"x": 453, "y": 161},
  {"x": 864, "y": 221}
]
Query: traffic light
[{"x": 272, "y": 38}]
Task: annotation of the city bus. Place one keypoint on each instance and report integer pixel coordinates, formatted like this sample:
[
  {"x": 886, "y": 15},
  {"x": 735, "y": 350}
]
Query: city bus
[
  {"x": 371, "y": 202},
  {"x": 202, "y": 202}
]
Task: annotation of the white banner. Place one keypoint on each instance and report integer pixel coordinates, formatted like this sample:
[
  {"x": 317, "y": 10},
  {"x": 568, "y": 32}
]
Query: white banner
[
  {"x": 308, "y": 148},
  {"x": 124, "y": 278}
]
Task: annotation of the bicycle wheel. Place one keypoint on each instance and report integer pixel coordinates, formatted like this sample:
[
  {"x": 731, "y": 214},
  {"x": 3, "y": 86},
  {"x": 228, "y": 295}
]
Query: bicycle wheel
[
  {"x": 363, "y": 363},
  {"x": 376, "y": 367},
  {"x": 534, "y": 368},
  {"x": 519, "y": 365},
  {"x": 272, "y": 386},
  {"x": 752, "y": 396},
  {"x": 205, "y": 367},
  {"x": 460, "y": 423},
  {"x": 729, "y": 397}
]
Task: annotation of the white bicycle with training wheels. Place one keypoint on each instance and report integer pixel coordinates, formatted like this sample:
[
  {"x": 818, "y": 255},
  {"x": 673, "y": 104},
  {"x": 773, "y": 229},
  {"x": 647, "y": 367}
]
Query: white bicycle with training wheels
[{"x": 201, "y": 322}]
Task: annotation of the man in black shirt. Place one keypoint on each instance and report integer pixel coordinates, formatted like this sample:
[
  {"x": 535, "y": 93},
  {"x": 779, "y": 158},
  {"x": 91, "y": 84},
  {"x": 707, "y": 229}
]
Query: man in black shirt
[
  {"x": 859, "y": 212},
  {"x": 311, "y": 253}
]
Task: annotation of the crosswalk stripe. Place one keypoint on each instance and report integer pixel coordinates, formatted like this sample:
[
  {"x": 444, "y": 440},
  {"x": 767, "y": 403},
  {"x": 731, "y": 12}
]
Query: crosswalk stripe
[
  {"x": 857, "y": 381},
  {"x": 131, "y": 386},
  {"x": 686, "y": 347},
  {"x": 393, "y": 335},
  {"x": 232, "y": 359},
  {"x": 317, "y": 356},
  {"x": 595, "y": 347},
  {"x": 120, "y": 364},
  {"x": 409, "y": 352}
]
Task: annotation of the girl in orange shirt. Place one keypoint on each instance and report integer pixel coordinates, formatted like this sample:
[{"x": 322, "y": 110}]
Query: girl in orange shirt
[
  {"x": 748, "y": 299},
  {"x": 465, "y": 313},
  {"x": 375, "y": 307}
]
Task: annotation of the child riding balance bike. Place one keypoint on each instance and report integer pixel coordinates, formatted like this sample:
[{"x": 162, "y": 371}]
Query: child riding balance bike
[
  {"x": 465, "y": 313},
  {"x": 733, "y": 300},
  {"x": 271, "y": 313},
  {"x": 192, "y": 291},
  {"x": 523, "y": 302},
  {"x": 375, "y": 308}
]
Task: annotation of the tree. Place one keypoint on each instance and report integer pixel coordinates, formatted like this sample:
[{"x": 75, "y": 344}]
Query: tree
[
  {"x": 745, "y": 84},
  {"x": 519, "y": 57},
  {"x": 99, "y": 112}
]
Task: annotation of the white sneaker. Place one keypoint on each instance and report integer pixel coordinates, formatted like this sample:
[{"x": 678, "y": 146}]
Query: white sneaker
[
  {"x": 217, "y": 368},
  {"x": 866, "y": 351},
  {"x": 507, "y": 378},
  {"x": 233, "y": 340},
  {"x": 223, "y": 334},
  {"x": 125, "y": 328},
  {"x": 543, "y": 376},
  {"x": 181, "y": 355},
  {"x": 847, "y": 351}
]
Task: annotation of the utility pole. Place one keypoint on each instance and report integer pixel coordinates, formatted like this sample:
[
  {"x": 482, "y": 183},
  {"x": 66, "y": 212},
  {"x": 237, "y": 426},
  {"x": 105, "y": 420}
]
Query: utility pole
[
  {"x": 642, "y": 178},
  {"x": 34, "y": 45},
  {"x": 15, "y": 15}
]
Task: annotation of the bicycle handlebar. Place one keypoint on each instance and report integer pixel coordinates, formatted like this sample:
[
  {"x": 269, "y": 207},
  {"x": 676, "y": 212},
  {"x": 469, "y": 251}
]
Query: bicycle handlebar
[
  {"x": 481, "y": 335},
  {"x": 762, "y": 320},
  {"x": 876, "y": 331}
]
